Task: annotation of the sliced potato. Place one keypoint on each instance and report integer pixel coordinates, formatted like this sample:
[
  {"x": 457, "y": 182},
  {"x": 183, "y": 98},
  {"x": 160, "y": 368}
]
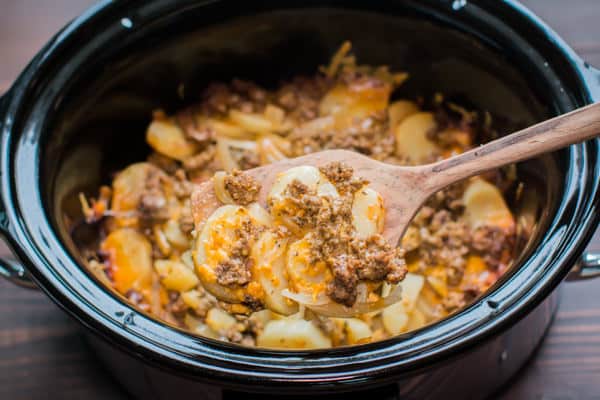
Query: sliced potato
[
  {"x": 411, "y": 239},
  {"x": 395, "y": 319},
  {"x": 130, "y": 260},
  {"x": 268, "y": 255},
  {"x": 161, "y": 241},
  {"x": 292, "y": 334},
  {"x": 219, "y": 320},
  {"x": 437, "y": 278},
  {"x": 412, "y": 142},
  {"x": 274, "y": 114},
  {"x": 460, "y": 137},
  {"x": 399, "y": 110},
  {"x": 128, "y": 187},
  {"x": 198, "y": 327},
  {"x": 348, "y": 103},
  {"x": 262, "y": 317},
  {"x": 428, "y": 305},
  {"x": 228, "y": 129},
  {"x": 167, "y": 138},
  {"x": 485, "y": 205},
  {"x": 192, "y": 298},
  {"x": 175, "y": 236},
  {"x": 357, "y": 331},
  {"x": 304, "y": 277},
  {"x": 411, "y": 288},
  {"x": 214, "y": 245},
  {"x": 315, "y": 126},
  {"x": 268, "y": 150},
  {"x": 368, "y": 213},
  {"x": 260, "y": 214},
  {"x": 416, "y": 320},
  {"x": 251, "y": 122},
  {"x": 175, "y": 275}
]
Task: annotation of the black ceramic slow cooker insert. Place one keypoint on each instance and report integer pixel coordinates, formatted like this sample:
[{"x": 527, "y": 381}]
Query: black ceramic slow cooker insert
[{"x": 80, "y": 108}]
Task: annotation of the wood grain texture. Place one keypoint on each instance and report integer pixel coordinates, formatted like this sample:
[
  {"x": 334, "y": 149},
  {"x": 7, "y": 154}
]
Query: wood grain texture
[{"x": 42, "y": 355}]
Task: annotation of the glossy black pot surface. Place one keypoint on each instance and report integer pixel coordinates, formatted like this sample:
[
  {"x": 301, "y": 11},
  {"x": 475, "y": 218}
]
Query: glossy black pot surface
[{"x": 79, "y": 110}]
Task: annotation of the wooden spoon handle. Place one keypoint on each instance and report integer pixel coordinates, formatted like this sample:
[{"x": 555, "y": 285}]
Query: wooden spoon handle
[{"x": 574, "y": 127}]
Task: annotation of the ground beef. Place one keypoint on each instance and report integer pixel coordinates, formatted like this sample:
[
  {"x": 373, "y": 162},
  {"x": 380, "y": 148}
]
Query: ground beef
[
  {"x": 176, "y": 305},
  {"x": 200, "y": 160},
  {"x": 193, "y": 130},
  {"x": 186, "y": 221},
  {"x": 345, "y": 281},
  {"x": 350, "y": 259},
  {"x": 233, "y": 272},
  {"x": 236, "y": 270},
  {"x": 246, "y": 159},
  {"x": 369, "y": 136},
  {"x": 444, "y": 241},
  {"x": 303, "y": 205},
  {"x": 163, "y": 162},
  {"x": 205, "y": 303},
  {"x": 449, "y": 199},
  {"x": 457, "y": 300},
  {"x": 342, "y": 176},
  {"x": 219, "y": 98},
  {"x": 471, "y": 292},
  {"x": 250, "y": 90},
  {"x": 153, "y": 204},
  {"x": 337, "y": 172},
  {"x": 301, "y": 97},
  {"x": 453, "y": 301},
  {"x": 242, "y": 187},
  {"x": 491, "y": 242},
  {"x": 378, "y": 260},
  {"x": 333, "y": 228},
  {"x": 181, "y": 185},
  {"x": 137, "y": 298}
]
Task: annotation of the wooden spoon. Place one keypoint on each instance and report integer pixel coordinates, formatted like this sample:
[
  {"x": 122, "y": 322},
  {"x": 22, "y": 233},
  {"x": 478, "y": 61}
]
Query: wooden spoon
[{"x": 405, "y": 189}]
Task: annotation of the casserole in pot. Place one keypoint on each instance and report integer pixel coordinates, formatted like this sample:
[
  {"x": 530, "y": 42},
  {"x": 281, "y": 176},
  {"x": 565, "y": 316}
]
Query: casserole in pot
[{"x": 66, "y": 124}]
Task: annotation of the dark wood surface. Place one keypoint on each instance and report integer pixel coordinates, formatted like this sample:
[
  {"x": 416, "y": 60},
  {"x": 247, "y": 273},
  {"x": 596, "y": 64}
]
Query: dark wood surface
[{"x": 43, "y": 356}]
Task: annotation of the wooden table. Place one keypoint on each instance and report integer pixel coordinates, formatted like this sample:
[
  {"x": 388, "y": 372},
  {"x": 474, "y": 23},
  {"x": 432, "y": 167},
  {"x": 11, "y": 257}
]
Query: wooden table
[{"x": 43, "y": 356}]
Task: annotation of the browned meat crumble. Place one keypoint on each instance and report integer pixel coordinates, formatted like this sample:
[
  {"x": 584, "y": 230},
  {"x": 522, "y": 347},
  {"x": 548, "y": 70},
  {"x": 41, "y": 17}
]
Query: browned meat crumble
[
  {"x": 236, "y": 269},
  {"x": 242, "y": 187}
]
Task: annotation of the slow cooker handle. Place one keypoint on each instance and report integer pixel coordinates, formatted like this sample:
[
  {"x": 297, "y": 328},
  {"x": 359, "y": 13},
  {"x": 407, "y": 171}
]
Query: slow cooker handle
[
  {"x": 13, "y": 271},
  {"x": 9, "y": 268},
  {"x": 587, "y": 267},
  {"x": 591, "y": 75}
]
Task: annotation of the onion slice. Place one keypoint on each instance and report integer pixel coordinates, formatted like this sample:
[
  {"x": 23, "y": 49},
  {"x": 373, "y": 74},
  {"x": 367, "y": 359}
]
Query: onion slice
[
  {"x": 305, "y": 299},
  {"x": 328, "y": 308},
  {"x": 219, "y": 185}
]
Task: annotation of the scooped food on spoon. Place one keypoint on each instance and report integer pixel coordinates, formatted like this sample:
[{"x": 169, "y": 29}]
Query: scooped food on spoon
[{"x": 318, "y": 244}]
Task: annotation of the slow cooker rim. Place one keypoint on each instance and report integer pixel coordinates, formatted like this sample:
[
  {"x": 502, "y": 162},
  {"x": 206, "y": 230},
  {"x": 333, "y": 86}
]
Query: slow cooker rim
[{"x": 20, "y": 231}]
